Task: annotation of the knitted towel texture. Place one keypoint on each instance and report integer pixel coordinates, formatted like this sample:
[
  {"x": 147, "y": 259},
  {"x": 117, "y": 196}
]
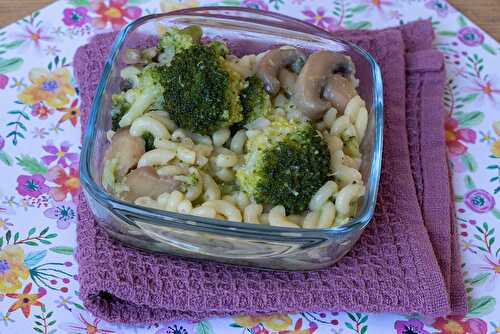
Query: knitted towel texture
[{"x": 406, "y": 261}]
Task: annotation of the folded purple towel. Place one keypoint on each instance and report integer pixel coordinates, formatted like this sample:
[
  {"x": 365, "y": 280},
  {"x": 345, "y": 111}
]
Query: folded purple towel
[{"x": 393, "y": 267}]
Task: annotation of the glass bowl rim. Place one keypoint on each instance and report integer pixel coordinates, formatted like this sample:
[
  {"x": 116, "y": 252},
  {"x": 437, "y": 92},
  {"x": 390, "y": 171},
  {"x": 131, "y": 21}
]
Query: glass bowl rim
[{"x": 89, "y": 185}]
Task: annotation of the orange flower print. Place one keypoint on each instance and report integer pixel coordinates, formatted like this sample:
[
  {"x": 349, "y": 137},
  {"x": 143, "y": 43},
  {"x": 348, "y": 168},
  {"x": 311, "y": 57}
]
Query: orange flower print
[
  {"x": 71, "y": 113},
  {"x": 68, "y": 183},
  {"x": 26, "y": 299}
]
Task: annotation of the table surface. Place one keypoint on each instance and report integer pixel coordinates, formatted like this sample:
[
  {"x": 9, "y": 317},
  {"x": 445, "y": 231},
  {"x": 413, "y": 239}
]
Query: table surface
[{"x": 485, "y": 13}]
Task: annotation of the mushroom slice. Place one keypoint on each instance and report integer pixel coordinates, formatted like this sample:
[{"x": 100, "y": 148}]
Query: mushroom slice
[
  {"x": 339, "y": 91},
  {"x": 316, "y": 73},
  {"x": 272, "y": 62},
  {"x": 145, "y": 181},
  {"x": 287, "y": 80},
  {"x": 126, "y": 149}
]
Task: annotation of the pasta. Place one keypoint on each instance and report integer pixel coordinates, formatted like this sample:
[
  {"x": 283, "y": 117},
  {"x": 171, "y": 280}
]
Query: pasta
[
  {"x": 226, "y": 209},
  {"x": 156, "y": 157},
  {"x": 147, "y": 124},
  {"x": 204, "y": 166},
  {"x": 252, "y": 213}
]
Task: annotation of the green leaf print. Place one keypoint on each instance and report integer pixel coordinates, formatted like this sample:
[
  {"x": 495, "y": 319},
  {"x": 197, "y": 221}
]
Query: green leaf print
[
  {"x": 481, "y": 306},
  {"x": 357, "y": 25},
  {"x": 469, "y": 97},
  {"x": 358, "y": 9},
  {"x": 12, "y": 45},
  {"x": 488, "y": 48},
  {"x": 65, "y": 250},
  {"x": 204, "y": 327},
  {"x": 468, "y": 182},
  {"x": 6, "y": 158},
  {"x": 467, "y": 119},
  {"x": 33, "y": 258},
  {"x": 479, "y": 279},
  {"x": 462, "y": 22},
  {"x": 79, "y": 3},
  {"x": 469, "y": 162},
  {"x": 31, "y": 164},
  {"x": 447, "y": 33},
  {"x": 12, "y": 64}
]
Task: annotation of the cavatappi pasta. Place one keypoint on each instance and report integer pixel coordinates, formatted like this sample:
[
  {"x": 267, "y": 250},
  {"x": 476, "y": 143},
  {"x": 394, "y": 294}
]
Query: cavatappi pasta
[{"x": 199, "y": 173}]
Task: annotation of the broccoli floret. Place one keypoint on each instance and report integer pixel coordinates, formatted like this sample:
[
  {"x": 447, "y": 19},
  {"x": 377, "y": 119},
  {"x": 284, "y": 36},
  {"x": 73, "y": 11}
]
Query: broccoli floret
[
  {"x": 201, "y": 91},
  {"x": 149, "y": 139},
  {"x": 285, "y": 165},
  {"x": 149, "y": 91},
  {"x": 351, "y": 146},
  {"x": 255, "y": 101},
  {"x": 119, "y": 107},
  {"x": 220, "y": 47},
  {"x": 176, "y": 40}
]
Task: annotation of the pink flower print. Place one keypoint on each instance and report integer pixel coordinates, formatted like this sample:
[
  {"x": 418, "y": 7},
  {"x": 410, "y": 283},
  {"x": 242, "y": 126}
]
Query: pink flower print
[
  {"x": 455, "y": 137},
  {"x": 2, "y": 142},
  {"x": 115, "y": 13},
  {"x": 255, "y": 4},
  {"x": 64, "y": 213},
  {"x": 410, "y": 327},
  {"x": 440, "y": 6},
  {"x": 61, "y": 154},
  {"x": 470, "y": 36},
  {"x": 31, "y": 185},
  {"x": 318, "y": 18},
  {"x": 479, "y": 200},
  {"x": 75, "y": 16},
  {"x": 4, "y": 80},
  {"x": 35, "y": 35},
  {"x": 487, "y": 88},
  {"x": 41, "y": 111}
]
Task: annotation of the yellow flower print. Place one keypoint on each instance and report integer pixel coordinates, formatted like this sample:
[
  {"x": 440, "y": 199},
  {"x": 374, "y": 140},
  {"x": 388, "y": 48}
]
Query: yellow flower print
[
  {"x": 170, "y": 5},
  {"x": 51, "y": 87},
  {"x": 496, "y": 127},
  {"x": 495, "y": 148},
  {"x": 276, "y": 322},
  {"x": 12, "y": 268}
]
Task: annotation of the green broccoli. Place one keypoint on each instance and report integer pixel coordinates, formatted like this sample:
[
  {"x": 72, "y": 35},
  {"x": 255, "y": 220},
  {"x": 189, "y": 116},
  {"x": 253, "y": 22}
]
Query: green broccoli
[
  {"x": 119, "y": 106},
  {"x": 147, "y": 93},
  {"x": 201, "y": 92},
  {"x": 285, "y": 165},
  {"x": 351, "y": 146},
  {"x": 255, "y": 100},
  {"x": 176, "y": 40}
]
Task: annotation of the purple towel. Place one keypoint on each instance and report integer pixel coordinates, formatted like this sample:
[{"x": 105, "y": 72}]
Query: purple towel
[{"x": 406, "y": 260}]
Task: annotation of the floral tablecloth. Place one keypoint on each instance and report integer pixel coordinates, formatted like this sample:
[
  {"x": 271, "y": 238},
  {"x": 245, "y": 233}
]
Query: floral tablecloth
[{"x": 39, "y": 152}]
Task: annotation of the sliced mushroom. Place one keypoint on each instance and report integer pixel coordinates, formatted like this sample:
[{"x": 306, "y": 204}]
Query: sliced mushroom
[
  {"x": 145, "y": 181},
  {"x": 339, "y": 91},
  {"x": 287, "y": 80},
  {"x": 126, "y": 149},
  {"x": 272, "y": 62},
  {"x": 315, "y": 75}
]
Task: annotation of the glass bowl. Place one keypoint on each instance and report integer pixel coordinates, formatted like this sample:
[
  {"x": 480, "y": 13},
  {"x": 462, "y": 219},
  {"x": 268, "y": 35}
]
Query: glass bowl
[{"x": 262, "y": 246}]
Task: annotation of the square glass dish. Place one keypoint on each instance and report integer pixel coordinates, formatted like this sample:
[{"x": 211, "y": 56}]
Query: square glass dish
[{"x": 263, "y": 246}]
